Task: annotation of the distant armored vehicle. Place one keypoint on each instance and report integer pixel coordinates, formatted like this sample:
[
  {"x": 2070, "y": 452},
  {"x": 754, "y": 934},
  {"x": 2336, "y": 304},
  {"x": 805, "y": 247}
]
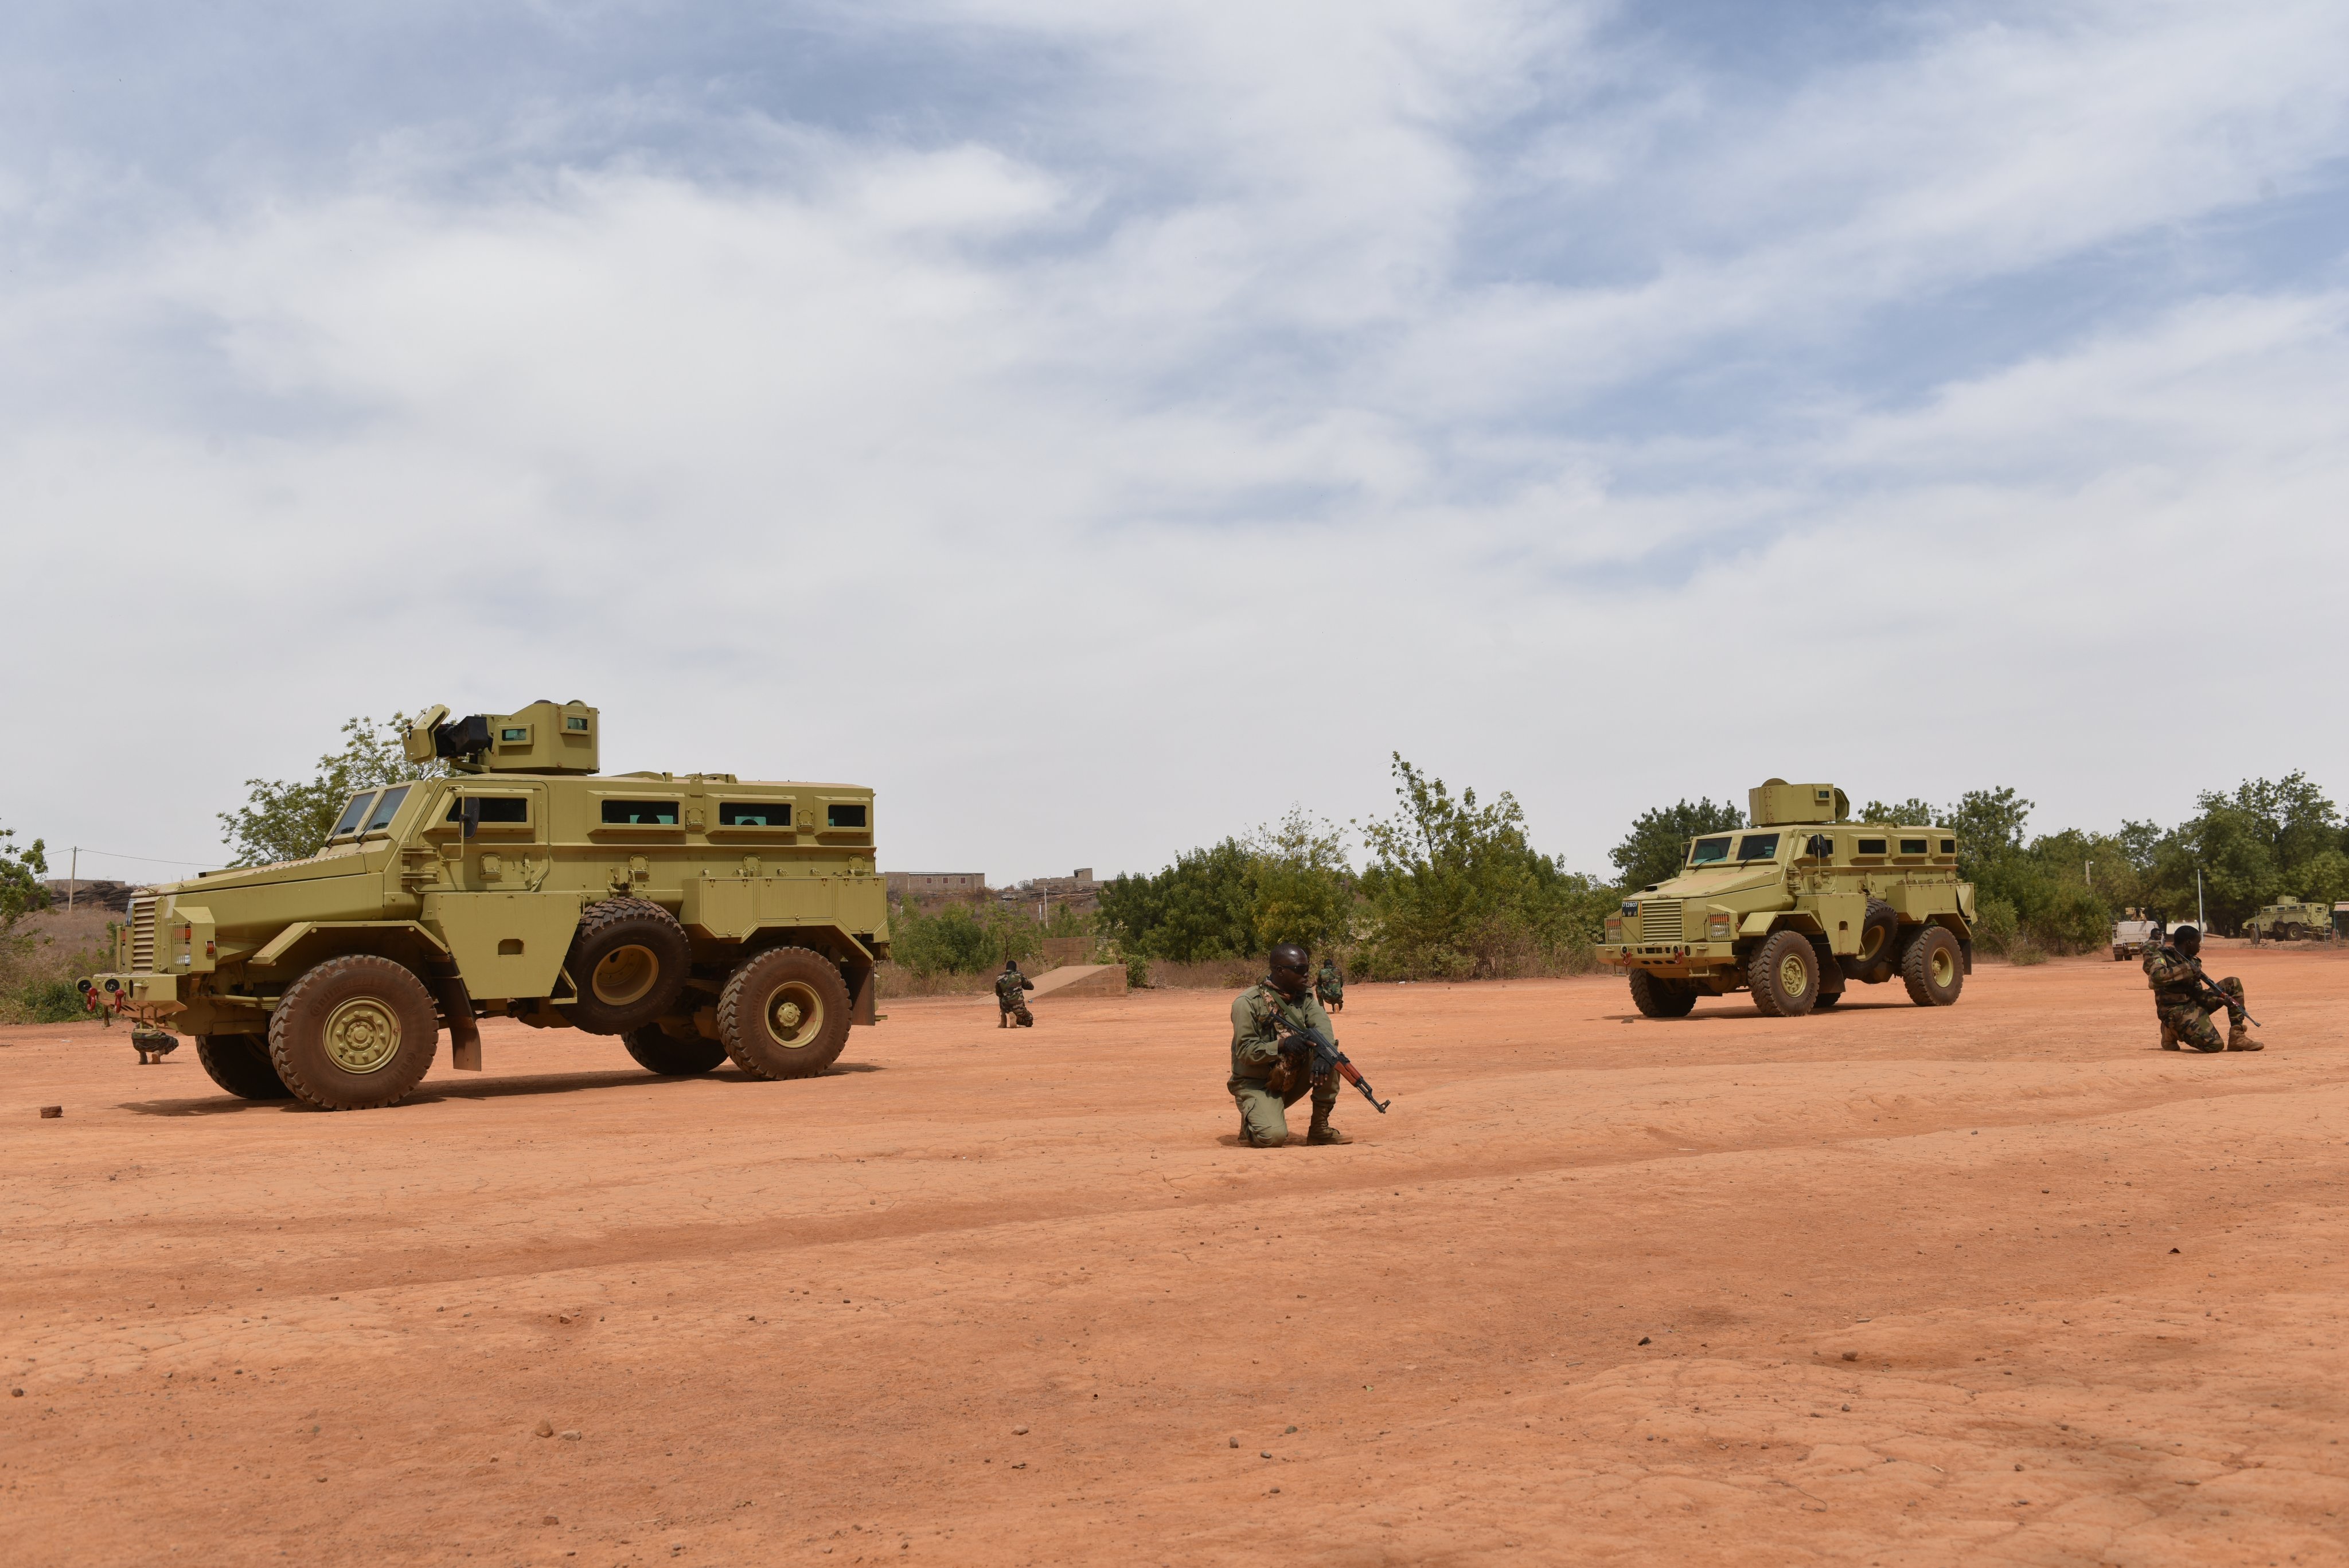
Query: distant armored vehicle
[
  {"x": 2292, "y": 921},
  {"x": 1796, "y": 906},
  {"x": 2131, "y": 937},
  {"x": 695, "y": 916}
]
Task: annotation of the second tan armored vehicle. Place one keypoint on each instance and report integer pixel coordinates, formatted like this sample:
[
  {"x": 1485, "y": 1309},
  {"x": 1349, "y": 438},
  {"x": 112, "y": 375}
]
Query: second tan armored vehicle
[
  {"x": 697, "y": 917},
  {"x": 2292, "y": 921},
  {"x": 1795, "y": 908}
]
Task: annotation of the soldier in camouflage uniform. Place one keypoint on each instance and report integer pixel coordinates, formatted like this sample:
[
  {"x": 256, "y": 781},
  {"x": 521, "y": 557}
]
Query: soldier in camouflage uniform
[
  {"x": 1330, "y": 986},
  {"x": 1008, "y": 987},
  {"x": 1265, "y": 1081},
  {"x": 2183, "y": 1007}
]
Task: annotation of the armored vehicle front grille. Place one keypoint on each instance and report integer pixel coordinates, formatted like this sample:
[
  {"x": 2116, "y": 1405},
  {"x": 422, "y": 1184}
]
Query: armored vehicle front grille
[
  {"x": 142, "y": 935},
  {"x": 1659, "y": 921}
]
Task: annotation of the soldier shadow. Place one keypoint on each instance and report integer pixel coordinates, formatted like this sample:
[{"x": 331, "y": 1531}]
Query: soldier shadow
[{"x": 488, "y": 1089}]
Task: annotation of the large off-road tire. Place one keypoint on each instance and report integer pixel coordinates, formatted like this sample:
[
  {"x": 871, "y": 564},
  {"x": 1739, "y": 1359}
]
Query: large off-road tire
[
  {"x": 630, "y": 960},
  {"x": 353, "y": 1033},
  {"x": 1657, "y": 997},
  {"x": 1879, "y": 944},
  {"x": 1784, "y": 975},
  {"x": 1827, "y": 999},
  {"x": 1933, "y": 967},
  {"x": 783, "y": 1013},
  {"x": 241, "y": 1064},
  {"x": 672, "y": 1055}
]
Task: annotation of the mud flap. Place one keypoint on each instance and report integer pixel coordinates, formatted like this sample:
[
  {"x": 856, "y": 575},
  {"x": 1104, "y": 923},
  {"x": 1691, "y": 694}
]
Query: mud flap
[{"x": 464, "y": 1033}]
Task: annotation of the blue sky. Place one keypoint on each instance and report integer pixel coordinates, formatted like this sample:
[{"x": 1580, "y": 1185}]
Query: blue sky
[{"x": 1101, "y": 426}]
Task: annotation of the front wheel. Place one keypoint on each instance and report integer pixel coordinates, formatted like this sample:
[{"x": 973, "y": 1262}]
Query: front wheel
[
  {"x": 1931, "y": 969},
  {"x": 1783, "y": 974},
  {"x": 784, "y": 1013},
  {"x": 354, "y": 1033},
  {"x": 1657, "y": 997}
]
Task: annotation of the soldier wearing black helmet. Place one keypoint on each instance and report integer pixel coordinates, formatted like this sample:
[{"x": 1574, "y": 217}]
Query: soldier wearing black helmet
[
  {"x": 1265, "y": 1082},
  {"x": 2173, "y": 970}
]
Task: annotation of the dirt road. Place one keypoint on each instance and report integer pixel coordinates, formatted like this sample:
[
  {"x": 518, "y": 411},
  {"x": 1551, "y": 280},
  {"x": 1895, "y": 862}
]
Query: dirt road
[{"x": 1995, "y": 1283}]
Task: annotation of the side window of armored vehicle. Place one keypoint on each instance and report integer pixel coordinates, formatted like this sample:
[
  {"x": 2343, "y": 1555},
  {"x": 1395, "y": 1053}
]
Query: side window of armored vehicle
[
  {"x": 1869, "y": 847},
  {"x": 1758, "y": 847},
  {"x": 385, "y": 810},
  {"x": 640, "y": 813},
  {"x": 1949, "y": 846},
  {"x": 353, "y": 814},
  {"x": 754, "y": 813},
  {"x": 1706, "y": 851},
  {"x": 839, "y": 814},
  {"x": 497, "y": 810},
  {"x": 1912, "y": 847}
]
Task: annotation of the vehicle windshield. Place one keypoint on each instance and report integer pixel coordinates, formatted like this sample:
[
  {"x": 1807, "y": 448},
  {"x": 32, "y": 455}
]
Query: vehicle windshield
[
  {"x": 1706, "y": 851},
  {"x": 1758, "y": 847},
  {"x": 353, "y": 814},
  {"x": 380, "y": 818}
]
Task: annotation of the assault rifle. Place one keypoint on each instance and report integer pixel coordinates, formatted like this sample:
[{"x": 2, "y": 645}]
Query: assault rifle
[
  {"x": 1327, "y": 1058},
  {"x": 2209, "y": 989}
]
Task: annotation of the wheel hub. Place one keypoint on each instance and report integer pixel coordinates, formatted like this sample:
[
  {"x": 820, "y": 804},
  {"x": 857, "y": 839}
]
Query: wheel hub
[
  {"x": 795, "y": 1016},
  {"x": 1794, "y": 975},
  {"x": 624, "y": 975},
  {"x": 362, "y": 1036}
]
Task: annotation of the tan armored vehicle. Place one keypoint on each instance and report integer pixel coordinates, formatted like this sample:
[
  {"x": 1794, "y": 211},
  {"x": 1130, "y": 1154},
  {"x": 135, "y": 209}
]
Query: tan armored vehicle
[
  {"x": 1797, "y": 907},
  {"x": 695, "y": 916},
  {"x": 2291, "y": 922}
]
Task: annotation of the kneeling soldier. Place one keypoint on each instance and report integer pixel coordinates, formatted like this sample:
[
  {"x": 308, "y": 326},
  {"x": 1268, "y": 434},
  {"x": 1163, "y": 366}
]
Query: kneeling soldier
[
  {"x": 2183, "y": 1006},
  {"x": 1008, "y": 987},
  {"x": 1264, "y": 1080}
]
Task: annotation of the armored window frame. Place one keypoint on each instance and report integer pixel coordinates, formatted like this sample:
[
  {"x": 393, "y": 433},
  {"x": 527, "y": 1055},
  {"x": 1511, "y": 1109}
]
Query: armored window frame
[
  {"x": 719, "y": 828},
  {"x": 607, "y": 805},
  {"x": 450, "y": 821},
  {"x": 353, "y": 813},
  {"x": 1911, "y": 846},
  {"x": 1871, "y": 846},
  {"x": 1719, "y": 848},
  {"x": 1949, "y": 846},
  {"x": 1758, "y": 847},
  {"x": 386, "y": 808}
]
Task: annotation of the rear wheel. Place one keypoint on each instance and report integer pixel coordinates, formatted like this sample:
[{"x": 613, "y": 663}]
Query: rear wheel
[
  {"x": 1657, "y": 997},
  {"x": 241, "y": 1064},
  {"x": 1827, "y": 999},
  {"x": 1879, "y": 943},
  {"x": 784, "y": 1013},
  {"x": 1932, "y": 969},
  {"x": 672, "y": 1055},
  {"x": 354, "y": 1033},
  {"x": 629, "y": 961},
  {"x": 1783, "y": 974}
]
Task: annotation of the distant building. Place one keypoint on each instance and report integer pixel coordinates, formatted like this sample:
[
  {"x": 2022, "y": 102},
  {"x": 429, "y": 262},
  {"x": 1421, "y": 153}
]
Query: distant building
[{"x": 930, "y": 884}]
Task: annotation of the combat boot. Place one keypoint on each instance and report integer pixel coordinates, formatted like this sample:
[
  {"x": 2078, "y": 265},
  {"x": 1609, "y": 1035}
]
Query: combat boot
[
  {"x": 2168, "y": 1038},
  {"x": 1321, "y": 1131},
  {"x": 2240, "y": 1039}
]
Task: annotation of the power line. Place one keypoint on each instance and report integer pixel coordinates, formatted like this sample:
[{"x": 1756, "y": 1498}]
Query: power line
[{"x": 149, "y": 860}]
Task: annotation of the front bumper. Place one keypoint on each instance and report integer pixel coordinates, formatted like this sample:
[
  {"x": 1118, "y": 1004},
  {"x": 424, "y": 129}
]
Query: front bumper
[{"x": 1670, "y": 958}]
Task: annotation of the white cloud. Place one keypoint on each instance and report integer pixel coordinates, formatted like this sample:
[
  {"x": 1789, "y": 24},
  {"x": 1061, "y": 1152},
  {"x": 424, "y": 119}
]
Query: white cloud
[{"x": 1027, "y": 480}]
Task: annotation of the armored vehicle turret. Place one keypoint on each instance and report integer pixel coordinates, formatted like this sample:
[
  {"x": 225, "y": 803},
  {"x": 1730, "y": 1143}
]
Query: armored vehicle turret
[
  {"x": 1795, "y": 908},
  {"x": 697, "y": 917}
]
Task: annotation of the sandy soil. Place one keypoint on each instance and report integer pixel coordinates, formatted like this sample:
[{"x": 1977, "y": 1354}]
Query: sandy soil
[{"x": 1998, "y": 1283}]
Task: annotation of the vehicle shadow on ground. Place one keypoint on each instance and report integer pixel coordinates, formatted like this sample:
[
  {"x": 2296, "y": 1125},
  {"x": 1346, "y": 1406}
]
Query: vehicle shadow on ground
[
  {"x": 488, "y": 1089},
  {"x": 1719, "y": 1014}
]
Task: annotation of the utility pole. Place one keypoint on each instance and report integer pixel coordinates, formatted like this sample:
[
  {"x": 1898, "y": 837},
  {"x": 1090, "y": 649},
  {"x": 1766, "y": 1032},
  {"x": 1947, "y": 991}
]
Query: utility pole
[
  {"x": 2088, "y": 874},
  {"x": 73, "y": 879},
  {"x": 2200, "y": 919}
]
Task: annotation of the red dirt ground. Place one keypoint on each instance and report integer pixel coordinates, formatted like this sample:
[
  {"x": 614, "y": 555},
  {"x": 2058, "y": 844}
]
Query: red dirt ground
[{"x": 1995, "y": 1283}]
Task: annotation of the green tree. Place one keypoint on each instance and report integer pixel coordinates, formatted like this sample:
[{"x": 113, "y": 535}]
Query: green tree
[
  {"x": 1300, "y": 885},
  {"x": 1909, "y": 812},
  {"x": 288, "y": 819},
  {"x": 1455, "y": 890},
  {"x": 1658, "y": 842},
  {"x": 22, "y": 889},
  {"x": 961, "y": 940},
  {"x": 1202, "y": 906}
]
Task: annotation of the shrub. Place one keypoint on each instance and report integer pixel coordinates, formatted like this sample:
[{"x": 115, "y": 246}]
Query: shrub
[{"x": 1137, "y": 972}]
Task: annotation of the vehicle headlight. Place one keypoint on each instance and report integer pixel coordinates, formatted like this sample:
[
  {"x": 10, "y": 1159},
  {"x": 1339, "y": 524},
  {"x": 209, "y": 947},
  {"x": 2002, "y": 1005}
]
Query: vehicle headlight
[
  {"x": 1614, "y": 928},
  {"x": 1717, "y": 928}
]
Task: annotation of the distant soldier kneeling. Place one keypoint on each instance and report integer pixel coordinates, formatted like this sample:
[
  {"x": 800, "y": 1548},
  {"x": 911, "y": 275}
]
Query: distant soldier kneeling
[
  {"x": 1266, "y": 1080},
  {"x": 2183, "y": 996},
  {"x": 1008, "y": 987}
]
